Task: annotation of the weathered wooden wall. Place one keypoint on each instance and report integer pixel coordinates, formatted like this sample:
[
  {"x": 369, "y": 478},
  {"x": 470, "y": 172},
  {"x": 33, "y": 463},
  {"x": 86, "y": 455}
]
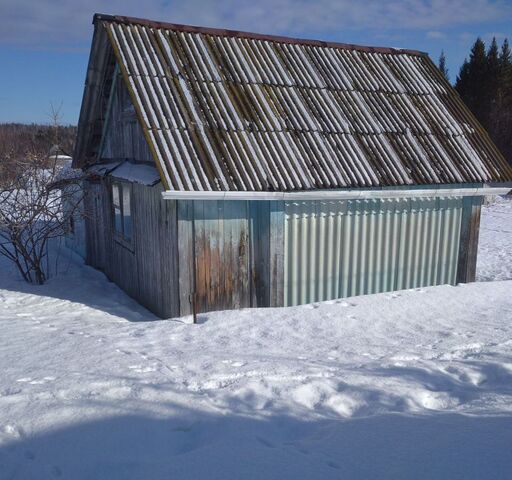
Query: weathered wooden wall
[
  {"x": 236, "y": 258},
  {"x": 147, "y": 267},
  {"x": 236, "y": 254},
  {"x": 468, "y": 248},
  {"x": 122, "y": 134}
]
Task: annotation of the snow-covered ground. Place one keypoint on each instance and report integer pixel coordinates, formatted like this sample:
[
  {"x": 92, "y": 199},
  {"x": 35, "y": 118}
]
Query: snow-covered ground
[
  {"x": 412, "y": 384},
  {"x": 495, "y": 242}
]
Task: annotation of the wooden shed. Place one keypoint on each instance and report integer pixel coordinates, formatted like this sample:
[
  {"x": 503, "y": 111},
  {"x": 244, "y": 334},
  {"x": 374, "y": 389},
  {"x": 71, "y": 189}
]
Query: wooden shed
[{"x": 231, "y": 169}]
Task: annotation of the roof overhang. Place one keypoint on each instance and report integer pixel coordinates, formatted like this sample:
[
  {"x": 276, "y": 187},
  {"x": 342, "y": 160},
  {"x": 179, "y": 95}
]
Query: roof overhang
[{"x": 346, "y": 194}]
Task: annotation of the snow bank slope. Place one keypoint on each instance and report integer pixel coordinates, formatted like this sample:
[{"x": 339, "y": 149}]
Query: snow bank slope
[
  {"x": 495, "y": 242},
  {"x": 412, "y": 384},
  {"x": 89, "y": 394}
]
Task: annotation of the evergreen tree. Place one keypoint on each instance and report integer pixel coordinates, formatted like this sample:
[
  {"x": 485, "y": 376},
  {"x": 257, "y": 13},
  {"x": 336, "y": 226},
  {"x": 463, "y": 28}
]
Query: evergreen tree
[
  {"x": 503, "y": 127},
  {"x": 492, "y": 93},
  {"x": 505, "y": 55},
  {"x": 478, "y": 75},
  {"x": 485, "y": 84},
  {"x": 442, "y": 66},
  {"x": 462, "y": 80}
]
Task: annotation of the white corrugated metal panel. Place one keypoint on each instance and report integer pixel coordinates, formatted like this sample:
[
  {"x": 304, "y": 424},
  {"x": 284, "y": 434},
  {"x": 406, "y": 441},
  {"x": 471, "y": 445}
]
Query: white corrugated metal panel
[
  {"x": 336, "y": 249},
  {"x": 265, "y": 113}
]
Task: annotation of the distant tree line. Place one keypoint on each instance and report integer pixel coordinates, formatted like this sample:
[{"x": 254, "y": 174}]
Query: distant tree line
[
  {"x": 19, "y": 141},
  {"x": 485, "y": 84}
]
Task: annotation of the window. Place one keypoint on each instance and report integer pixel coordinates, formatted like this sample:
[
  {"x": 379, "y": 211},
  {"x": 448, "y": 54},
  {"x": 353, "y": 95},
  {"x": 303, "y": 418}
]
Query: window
[{"x": 121, "y": 202}]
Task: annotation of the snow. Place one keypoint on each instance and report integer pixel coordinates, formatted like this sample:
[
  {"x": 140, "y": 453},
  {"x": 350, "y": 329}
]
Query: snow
[
  {"x": 410, "y": 384},
  {"x": 136, "y": 172},
  {"x": 495, "y": 242}
]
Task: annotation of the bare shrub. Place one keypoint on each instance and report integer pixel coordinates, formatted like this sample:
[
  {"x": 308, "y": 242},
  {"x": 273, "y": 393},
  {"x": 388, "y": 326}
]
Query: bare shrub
[
  {"x": 39, "y": 197},
  {"x": 37, "y": 204}
]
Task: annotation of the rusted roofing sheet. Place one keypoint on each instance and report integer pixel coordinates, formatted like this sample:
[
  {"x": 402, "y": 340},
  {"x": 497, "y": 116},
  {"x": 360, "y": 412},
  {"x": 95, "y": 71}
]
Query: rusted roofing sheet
[{"x": 226, "y": 110}]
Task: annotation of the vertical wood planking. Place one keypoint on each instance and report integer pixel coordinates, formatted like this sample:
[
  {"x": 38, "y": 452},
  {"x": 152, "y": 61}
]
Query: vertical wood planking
[
  {"x": 147, "y": 268},
  {"x": 259, "y": 215},
  {"x": 123, "y": 136},
  {"x": 276, "y": 253},
  {"x": 185, "y": 255},
  {"x": 155, "y": 228},
  {"x": 468, "y": 246},
  {"x": 476, "y": 210},
  {"x": 222, "y": 255}
]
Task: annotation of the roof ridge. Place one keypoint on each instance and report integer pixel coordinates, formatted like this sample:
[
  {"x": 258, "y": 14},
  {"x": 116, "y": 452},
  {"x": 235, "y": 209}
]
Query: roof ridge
[{"x": 251, "y": 35}]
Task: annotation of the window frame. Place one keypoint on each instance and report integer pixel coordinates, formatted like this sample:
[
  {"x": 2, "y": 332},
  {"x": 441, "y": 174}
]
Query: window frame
[{"x": 124, "y": 191}]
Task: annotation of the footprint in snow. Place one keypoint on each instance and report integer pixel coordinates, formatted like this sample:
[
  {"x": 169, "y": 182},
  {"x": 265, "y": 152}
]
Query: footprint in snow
[
  {"x": 266, "y": 443},
  {"x": 42, "y": 381},
  {"x": 303, "y": 450},
  {"x": 393, "y": 295},
  {"x": 233, "y": 363},
  {"x": 29, "y": 455},
  {"x": 333, "y": 465},
  {"x": 56, "y": 471},
  {"x": 183, "y": 429},
  {"x": 125, "y": 352},
  {"x": 10, "y": 391},
  {"x": 141, "y": 369},
  {"x": 344, "y": 303}
]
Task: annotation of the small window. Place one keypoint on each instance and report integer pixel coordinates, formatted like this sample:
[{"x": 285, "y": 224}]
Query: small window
[{"x": 121, "y": 203}]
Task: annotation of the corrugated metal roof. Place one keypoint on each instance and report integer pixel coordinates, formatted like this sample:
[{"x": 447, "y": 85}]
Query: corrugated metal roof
[{"x": 225, "y": 110}]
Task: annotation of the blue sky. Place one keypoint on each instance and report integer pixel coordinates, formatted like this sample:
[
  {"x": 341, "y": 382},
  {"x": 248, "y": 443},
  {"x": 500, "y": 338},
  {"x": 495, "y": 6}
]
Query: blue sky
[{"x": 44, "y": 44}]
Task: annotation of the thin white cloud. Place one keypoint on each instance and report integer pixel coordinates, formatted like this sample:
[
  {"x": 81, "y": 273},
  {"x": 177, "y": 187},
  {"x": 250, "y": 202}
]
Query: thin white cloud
[
  {"x": 499, "y": 36},
  {"x": 67, "y": 23},
  {"x": 466, "y": 37},
  {"x": 436, "y": 35}
]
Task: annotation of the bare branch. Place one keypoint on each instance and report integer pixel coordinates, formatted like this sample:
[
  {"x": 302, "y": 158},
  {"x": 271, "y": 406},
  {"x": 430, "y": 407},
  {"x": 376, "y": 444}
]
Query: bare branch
[{"x": 36, "y": 205}]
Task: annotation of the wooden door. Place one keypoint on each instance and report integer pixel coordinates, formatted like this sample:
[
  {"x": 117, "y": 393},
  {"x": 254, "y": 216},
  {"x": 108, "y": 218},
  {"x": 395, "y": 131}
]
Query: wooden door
[{"x": 221, "y": 231}]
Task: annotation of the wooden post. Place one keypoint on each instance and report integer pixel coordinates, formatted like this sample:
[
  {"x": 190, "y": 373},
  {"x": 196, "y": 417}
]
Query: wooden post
[
  {"x": 194, "y": 268},
  {"x": 186, "y": 262},
  {"x": 468, "y": 246}
]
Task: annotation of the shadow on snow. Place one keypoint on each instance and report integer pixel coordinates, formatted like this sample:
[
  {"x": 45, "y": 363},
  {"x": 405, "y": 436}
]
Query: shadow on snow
[{"x": 200, "y": 446}]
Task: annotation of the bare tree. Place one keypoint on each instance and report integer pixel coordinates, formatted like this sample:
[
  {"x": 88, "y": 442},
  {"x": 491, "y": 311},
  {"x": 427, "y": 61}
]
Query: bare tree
[
  {"x": 38, "y": 201},
  {"x": 37, "y": 205}
]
